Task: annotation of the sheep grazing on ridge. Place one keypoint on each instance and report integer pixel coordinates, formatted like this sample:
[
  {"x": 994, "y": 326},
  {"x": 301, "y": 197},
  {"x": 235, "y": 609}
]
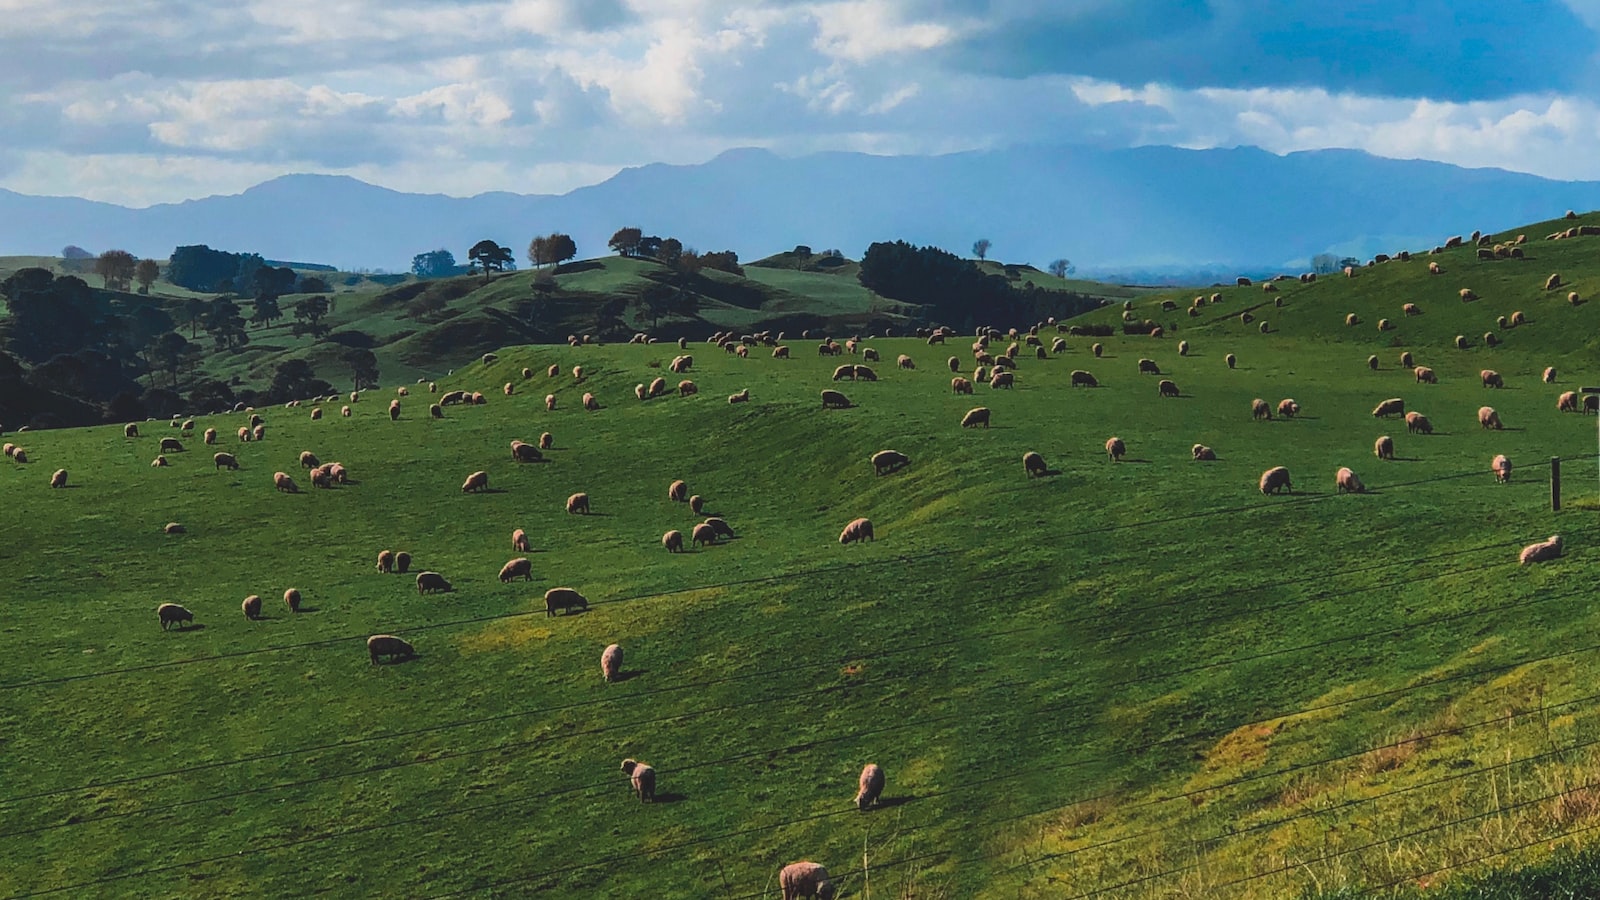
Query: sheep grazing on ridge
[
  {"x": 1276, "y": 479},
  {"x": 1567, "y": 402},
  {"x": 1433, "y": 269},
  {"x": 171, "y": 445},
  {"x": 1231, "y": 360},
  {"x": 477, "y": 481},
  {"x": 1385, "y": 325},
  {"x": 843, "y": 372},
  {"x": 1202, "y": 453},
  {"x": 1265, "y": 328},
  {"x": 1573, "y": 298},
  {"x": 905, "y": 362},
  {"x": 886, "y": 461},
  {"x": 525, "y": 453},
  {"x": 308, "y": 460},
  {"x": 742, "y": 396},
  {"x": 394, "y": 411},
  {"x": 171, "y": 614},
  {"x": 402, "y": 392},
  {"x": 1287, "y": 408},
  {"x": 1097, "y": 349},
  {"x": 284, "y": 483},
  {"x": 521, "y": 567},
  {"x": 1149, "y": 367},
  {"x": 578, "y": 503},
  {"x": 251, "y": 607},
  {"x": 1467, "y": 296},
  {"x": 1544, "y": 551},
  {"x": 527, "y": 373},
  {"x": 687, "y": 388},
  {"x": 385, "y": 562},
  {"x": 678, "y": 492},
  {"x": 1406, "y": 360},
  {"x": 1059, "y": 345},
  {"x": 857, "y": 530},
  {"x": 1260, "y": 409},
  {"x": 432, "y": 582},
  {"x": 436, "y": 411},
  {"x": 1410, "y": 309},
  {"x": 520, "y": 542},
  {"x": 720, "y": 527},
  {"x": 954, "y": 363},
  {"x": 210, "y": 436},
  {"x": 834, "y": 400},
  {"x": 159, "y": 462},
  {"x": 1352, "y": 320},
  {"x": 980, "y": 375},
  {"x": 639, "y": 391},
  {"x": 1417, "y": 423},
  {"x": 1518, "y": 318},
  {"x": 702, "y": 535},
  {"x": 1491, "y": 379},
  {"x": 1489, "y": 340},
  {"x": 316, "y": 414},
  {"x": 1033, "y": 464},
  {"x": 59, "y": 479},
  {"x": 865, "y": 373},
  {"x": 1347, "y": 482},
  {"x": 1080, "y": 378},
  {"x": 553, "y": 371},
  {"x": 673, "y": 541},
  {"x": 1553, "y": 282},
  {"x": 292, "y": 599},
  {"x": 546, "y": 441},
  {"x": 1115, "y": 449},
  {"x": 611, "y": 663},
  {"x": 960, "y": 385},
  {"x": 577, "y": 373},
  {"x": 549, "y": 402},
  {"x": 870, "y": 785},
  {"x": 344, "y": 411},
  {"x": 1394, "y": 406},
  {"x": 1425, "y": 375},
  {"x": 1002, "y": 380},
  {"x": 641, "y": 776},
  {"x": 1372, "y": 362},
  {"x": 1488, "y": 418},
  {"x": 1183, "y": 348},
  {"x": 130, "y": 430},
  {"x": 697, "y": 504},
  {"x": 1246, "y": 318},
  {"x": 565, "y": 599},
  {"x": 390, "y": 646},
  {"x": 173, "y": 528},
  {"x": 1501, "y": 467},
  {"x": 1383, "y": 447},
  {"x": 975, "y": 417},
  {"x": 658, "y": 386},
  {"x": 402, "y": 562},
  {"x": 508, "y": 389},
  {"x": 590, "y": 403},
  {"x": 1167, "y": 388},
  {"x": 1549, "y": 375},
  {"x": 225, "y": 461}
]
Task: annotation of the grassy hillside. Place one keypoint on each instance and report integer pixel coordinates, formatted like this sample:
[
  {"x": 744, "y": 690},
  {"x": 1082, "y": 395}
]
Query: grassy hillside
[{"x": 1129, "y": 679}]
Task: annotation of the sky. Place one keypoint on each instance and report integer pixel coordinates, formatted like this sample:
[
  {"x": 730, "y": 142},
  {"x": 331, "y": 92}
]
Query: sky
[{"x": 148, "y": 101}]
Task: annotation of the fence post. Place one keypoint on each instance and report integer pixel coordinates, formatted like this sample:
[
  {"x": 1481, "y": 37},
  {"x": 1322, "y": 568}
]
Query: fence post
[{"x": 1555, "y": 484}]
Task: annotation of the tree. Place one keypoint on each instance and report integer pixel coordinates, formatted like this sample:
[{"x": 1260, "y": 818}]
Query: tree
[
  {"x": 626, "y": 241},
  {"x": 802, "y": 255},
  {"x": 116, "y": 267},
  {"x": 146, "y": 273},
  {"x": 48, "y": 315},
  {"x": 1324, "y": 264},
  {"x": 363, "y": 367},
  {"x": 211, "y": 395},
  {"x": 194, "y": 313},
  {"x": 295, "y": 379},
  {"x": 1061, "y": 268},
  {"x": 560, "y": 247},
  {"x": 225, "y": 324},
  {"x": 200, "y": 268},
  {"x": 168, "y": 352},
  {"x": 491, "y": 256},
  {"x": 73, "y": 251},
  {"x": 656, "y": 301},
  {"x": 266, "y": 311},
  {"x": 536, "y": 251},
  {"x": 439, "y": 263},
  {"x": 980, "y": 248},
  {"x": 670, "y": 251},
  {"x": 311, "y": 310},
  {"x": 312, "y": 284},
  {"x": 723, "y": 261}
]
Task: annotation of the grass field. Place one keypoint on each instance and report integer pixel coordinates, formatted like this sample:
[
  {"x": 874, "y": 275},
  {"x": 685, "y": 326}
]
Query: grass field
[{"x": 1129, "y": 679}]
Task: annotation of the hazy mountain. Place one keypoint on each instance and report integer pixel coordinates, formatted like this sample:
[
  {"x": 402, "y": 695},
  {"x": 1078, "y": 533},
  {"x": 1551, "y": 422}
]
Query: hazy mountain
[{"x": 1144, "y": 209}]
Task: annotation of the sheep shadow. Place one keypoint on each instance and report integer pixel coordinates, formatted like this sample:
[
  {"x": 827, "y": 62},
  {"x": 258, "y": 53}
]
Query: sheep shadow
[
  {"x": 305, "y": 610},
  {"x": 490, "y": 490},
  {"x": 890, "y": 802},
  {"x": 1049, "y": 473},
  {"x": 192, "y": 626},
  {"x": 670, "y": 797},
  {"x": 629, "y": 675},
  {"x": 400, "y": 660},
  {"x": 1130, "y": 459}
]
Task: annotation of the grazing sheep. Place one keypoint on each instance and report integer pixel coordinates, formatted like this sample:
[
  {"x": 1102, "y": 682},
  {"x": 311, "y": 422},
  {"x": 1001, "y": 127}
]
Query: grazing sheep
[
  {"x": 521, "y": 567},
  {"x": 343, "y": 411},
  {"x": 1517, "y": 318},
  {"x": 640, "y": 775},
  {"x": 1410, "y": 309},
  {"x": 1080, "y": 378},
  {"x": 1167, "y": 388},
  {"x": 639, "y": 391},
  {"x": 431, "y": 582},
  {"x": 578, "y": 503},
  {"x": 1491, "y": 379},
  {"x": 394, "y": 410},
  {"x": 1231, "y": 360},
  {"x": 1183, "y": 348},
  {"x": 1002, "y": 380},
  {"x": 173, "y": 528},
  {"x": 1433, "y": 268},
  {"x": 159, "y": 462},
  {"x": 385, "y": 561},
  {"x": 1059, "y": 345},
  {"x": 1276, "y": 479},
  {"x": 954, "y": 363},
  {"x": 1352, "y": 320},
  {"x": 508, "y": 389},
  {"x": 1406, "y": 361},
  {"x": 1549, "y": 375},
  {"x": 742, "y": 396},
  {"x": 525, "y": 453},
  {"x": 673, "y": 541},
  {"x": 1394, "y": 406},
  {"x": 590, "y": 403},
  {"x": 1149, "y": 367},
  {"x": 283, "y": 482},
  {"x": 553, "y": 371},
  {"x": 886, "y": 461},
  {"x": 1115, "y": 448},
  {"x": 210, "y": 436},
  {"x": 577, "y": 373},
  {"x": 1246, "y": 318},
  {"x": 843, "y": 372},
  {"x": 1288, "y": 408},
  {"x": 1573, "y": 298},
  {"x": 658, "y": 387},
  {"x": 697, "y": 504},
  {"x": 1467, "y": 296},
  {"x": 702, "y": 534},
  {"x": 402, "y": 562},
  {"x": 1097, "y": 349},
  {"x": 251, "y": 607},
  {"x": 477, "y": 481},
  {"x": 805, "y": 880},
  {"x": 1202, "y": 453},
  {"x": 565, "y": 599},
  {"x": 869, "y": 354},
  {"x": 436, "y": 411},
  {"x": 678, "y": 492},
  {"x": 834, "y": 400},
  {"x": 1553, "y": 282},
  {"x": 1346, "y": 482},
  {"x": 291, "y": 599},
  {"x": 225, "y": 461},
  {"x": 403, "y": 392},
  {"x": 316, "y": 414},
  {"x": 308, "y": 460},
  {"x": 857, "y": 530},
  {"x": 171, "y": 445},
  {"x": 321, "y": 477},
  {"x": 130, "y": 430},
  {"x": 720, "y": 527},
  {"x": 1385, "y": 325},
  {"x": 1501, "y": 467},
  {"x": 172, "y": 614},
  {"x": 905, "y": 362},
  {"x": 1567, "y": 402},
  {"x": 1372, "y": 363},
  {"x": 870, "y": 786},
  {"x": 389, "y": 645},
  {"x": 1425, "y": 375},
  {"x": 1488, "y": 418},
  {"x": 1544, "y": 551},
  {"x": 549, "y": 402},
  {"x": 1259, "y": 409},
  {"x": 1417, "y": 423},
  {"x": 960, "y": 385},
  {"x": 1489, "y": 339},
  {"x": 611, "y": 664},
  {"x": 975, "y": 417},
  {"x": 520, "y": 542},
  {"x": 685, "y": 388},
  {"x": 546, "y": 441},
  {"x": 980, "y": 374},
  {"x": 1033, "y": 464},
  {"x": 865, "y": 373},
  {"x": 59, "y": 479},
  {"x": 1383, "y": 447}
]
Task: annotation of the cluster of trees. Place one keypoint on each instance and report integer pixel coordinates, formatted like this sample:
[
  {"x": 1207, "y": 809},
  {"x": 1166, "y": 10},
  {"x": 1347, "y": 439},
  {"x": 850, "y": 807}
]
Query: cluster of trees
[
  {"x": 200, "y": 268},
  {"x": 439, "y": 263},
  {"x": 957, "y": 291},
  {"x": 554, "y": 248}
]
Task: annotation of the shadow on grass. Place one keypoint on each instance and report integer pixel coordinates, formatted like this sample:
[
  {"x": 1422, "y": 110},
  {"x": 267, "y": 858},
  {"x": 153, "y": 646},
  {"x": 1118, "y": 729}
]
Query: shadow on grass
[
  {"x": 629, "y": 675},
  {"x": 670, "y": 797}
]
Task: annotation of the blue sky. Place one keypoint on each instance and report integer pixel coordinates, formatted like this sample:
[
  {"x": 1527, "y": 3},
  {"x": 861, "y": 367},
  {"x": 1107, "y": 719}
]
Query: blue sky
[{"x": 148, "y": 101}]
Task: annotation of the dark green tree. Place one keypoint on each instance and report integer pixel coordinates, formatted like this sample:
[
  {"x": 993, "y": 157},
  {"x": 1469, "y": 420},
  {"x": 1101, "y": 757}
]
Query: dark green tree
[
  {"x": 193, "y": 314},
  {"x": 491, "y": 257},
  {"x": 669, "y": 252},
  {"x": 980, "y": 248},
  {"x": 363, "y": 367},
  {"x": 439, "y": 263},
  {"x": 626, "y": 241},
  {"x": 146, "y": 273},
  {"x": 266, "y": 311}
]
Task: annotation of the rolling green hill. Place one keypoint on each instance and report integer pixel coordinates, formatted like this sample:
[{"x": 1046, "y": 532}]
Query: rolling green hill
[{"x": 1139, "y": 678}]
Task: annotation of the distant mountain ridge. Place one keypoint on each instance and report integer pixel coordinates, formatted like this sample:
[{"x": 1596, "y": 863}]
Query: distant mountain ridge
[{"x": 1145, "y": 209}]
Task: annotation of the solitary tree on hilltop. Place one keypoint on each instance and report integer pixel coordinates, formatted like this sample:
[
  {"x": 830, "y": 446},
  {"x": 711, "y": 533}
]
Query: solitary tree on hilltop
[
  {"x": 146, "y": 273},
  {"x": 433, "y": 264},
  {"x": 491, "y": 256},
  {"x": 980, "y": 248},
  {"x": 802, "y": 254},
  {"x": 116, "y": 267},
  {"x": 551, "y": 248},
  {"x": 1061, "y": 268}
]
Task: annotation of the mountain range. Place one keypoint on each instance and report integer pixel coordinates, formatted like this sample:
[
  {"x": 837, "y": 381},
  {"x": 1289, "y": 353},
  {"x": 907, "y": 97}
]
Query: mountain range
[{"x": 1144, "y": 210}]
